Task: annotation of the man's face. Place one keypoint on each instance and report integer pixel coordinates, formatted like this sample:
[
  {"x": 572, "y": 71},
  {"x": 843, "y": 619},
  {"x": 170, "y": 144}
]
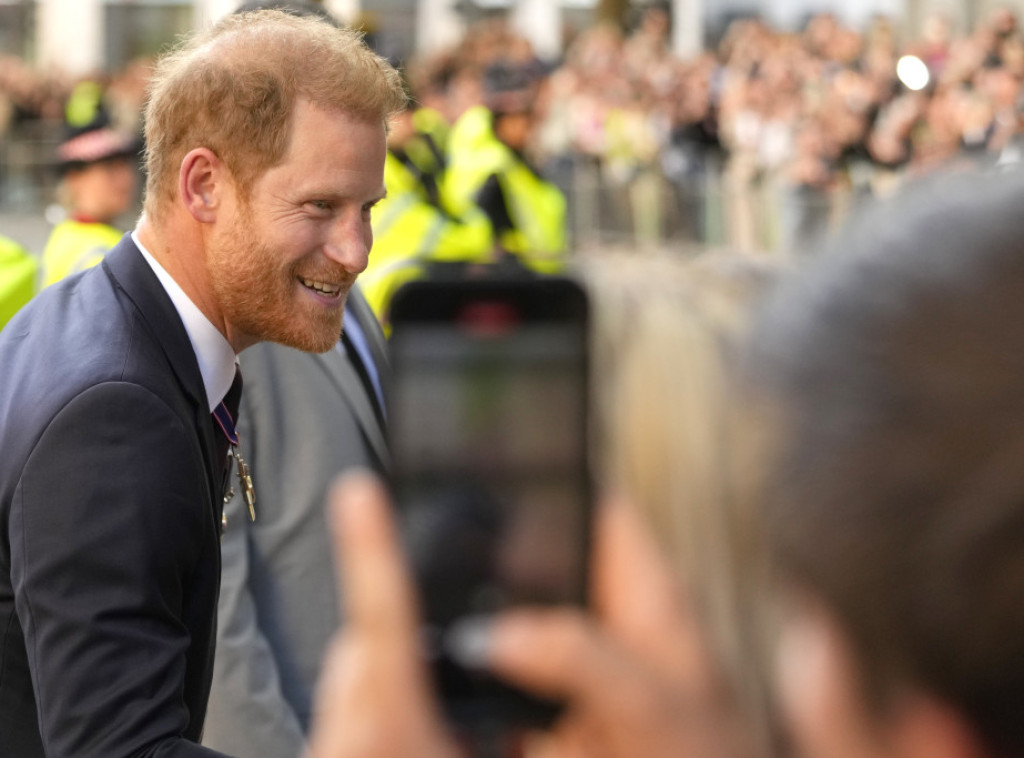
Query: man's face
[{"x": 283, "y": 261}]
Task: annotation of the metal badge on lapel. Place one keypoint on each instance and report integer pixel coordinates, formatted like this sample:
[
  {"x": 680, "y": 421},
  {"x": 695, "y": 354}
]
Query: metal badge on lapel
[
  {"x": 245, "y": 480},
  {"x": 224, "y": 419}
]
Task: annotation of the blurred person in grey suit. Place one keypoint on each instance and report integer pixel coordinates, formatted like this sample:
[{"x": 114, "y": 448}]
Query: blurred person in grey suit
[{"x": 303, "y": 419}]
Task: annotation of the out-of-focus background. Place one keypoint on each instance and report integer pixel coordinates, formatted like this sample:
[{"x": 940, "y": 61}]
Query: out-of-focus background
[{"x": 756, "y": 124}]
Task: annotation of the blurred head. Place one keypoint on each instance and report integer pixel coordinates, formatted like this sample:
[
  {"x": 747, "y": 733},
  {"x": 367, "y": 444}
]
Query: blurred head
[
  {"x": 665, "y": 333},
  {"x": 233, "y": 90},
  {"x": 896, "y": 507},
  {"x": 511, "y": 91},
  {"x": 102, "y": 190},
  {"x": 98, "y": 165}
]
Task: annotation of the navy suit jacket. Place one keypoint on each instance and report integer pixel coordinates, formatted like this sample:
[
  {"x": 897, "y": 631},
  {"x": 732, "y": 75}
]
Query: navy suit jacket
[{"x": 110, "y": 506}]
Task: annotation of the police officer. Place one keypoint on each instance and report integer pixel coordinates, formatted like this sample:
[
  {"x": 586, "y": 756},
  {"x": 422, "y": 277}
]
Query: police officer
[
  {"x": 415, "y": 230},
  {"x": 99, "y": 173},
  {"x": 488, "y": 167}
]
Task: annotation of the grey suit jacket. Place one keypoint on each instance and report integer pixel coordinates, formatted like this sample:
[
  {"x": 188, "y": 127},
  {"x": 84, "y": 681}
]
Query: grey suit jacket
[{"x": 304, "y": 419}]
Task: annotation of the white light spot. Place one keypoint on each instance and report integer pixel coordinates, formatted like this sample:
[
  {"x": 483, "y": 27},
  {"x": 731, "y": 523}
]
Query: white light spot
[{"x": 912, "y": 72}]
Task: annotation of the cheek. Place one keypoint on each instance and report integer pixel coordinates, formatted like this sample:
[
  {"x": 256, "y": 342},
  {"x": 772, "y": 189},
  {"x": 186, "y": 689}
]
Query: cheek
[{"x": 297, "y": 242}]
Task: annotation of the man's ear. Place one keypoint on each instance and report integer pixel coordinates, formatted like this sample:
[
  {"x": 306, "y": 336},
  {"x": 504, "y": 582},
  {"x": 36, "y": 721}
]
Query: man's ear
[
  {"x": 823, "y": 697},
  {"x": 201, "y": 180},
  {"x": 923, "y": 727}
]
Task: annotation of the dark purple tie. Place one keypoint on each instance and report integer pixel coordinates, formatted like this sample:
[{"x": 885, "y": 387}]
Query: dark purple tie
[{"x": 224, "y": 417}]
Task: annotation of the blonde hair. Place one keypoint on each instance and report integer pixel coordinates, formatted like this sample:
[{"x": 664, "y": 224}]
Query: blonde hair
[
  {"x": 665, "y": 333},
  {"x": 233, "y": 88}
]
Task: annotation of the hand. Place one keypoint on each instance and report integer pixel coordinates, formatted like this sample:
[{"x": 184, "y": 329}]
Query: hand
[
  {"x": 636, "y": 675},
  {"x": 373, "y": 699},
  {"x": 638, "y": 678}
]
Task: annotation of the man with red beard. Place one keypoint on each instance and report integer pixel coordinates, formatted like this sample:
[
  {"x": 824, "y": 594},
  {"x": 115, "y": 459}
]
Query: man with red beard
[{"x": 118, "y": 387}]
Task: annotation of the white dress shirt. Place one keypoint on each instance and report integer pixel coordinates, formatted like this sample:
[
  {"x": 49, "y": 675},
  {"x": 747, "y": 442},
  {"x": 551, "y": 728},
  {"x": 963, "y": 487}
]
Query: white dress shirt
[{"x": 214, "y": 353}]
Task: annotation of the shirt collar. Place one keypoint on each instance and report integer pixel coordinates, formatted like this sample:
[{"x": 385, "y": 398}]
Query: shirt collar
[{"x": 214, "y": 353}]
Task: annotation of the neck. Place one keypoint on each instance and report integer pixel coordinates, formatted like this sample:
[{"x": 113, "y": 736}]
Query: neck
[{"x": 184, "y": 260}]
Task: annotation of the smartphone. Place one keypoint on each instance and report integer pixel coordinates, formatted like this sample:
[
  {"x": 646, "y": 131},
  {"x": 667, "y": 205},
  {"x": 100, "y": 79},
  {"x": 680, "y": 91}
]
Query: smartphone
[{"x": 488, "y": 425}]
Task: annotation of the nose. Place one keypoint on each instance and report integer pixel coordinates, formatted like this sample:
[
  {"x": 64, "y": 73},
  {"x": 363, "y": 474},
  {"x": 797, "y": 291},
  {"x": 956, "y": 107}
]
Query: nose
[{"x": 348, "y": 244}]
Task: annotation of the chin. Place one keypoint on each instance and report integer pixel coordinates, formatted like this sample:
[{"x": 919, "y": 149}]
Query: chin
[
  {"x": 315, "y": 338},
  {"x": 295, "y": 325},
  {"x": 306, "y": 343},
  {"x": 321, "y": 346}
]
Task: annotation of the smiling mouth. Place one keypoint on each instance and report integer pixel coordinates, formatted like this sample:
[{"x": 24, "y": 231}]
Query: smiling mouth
[{"x": 321, "y": 288}]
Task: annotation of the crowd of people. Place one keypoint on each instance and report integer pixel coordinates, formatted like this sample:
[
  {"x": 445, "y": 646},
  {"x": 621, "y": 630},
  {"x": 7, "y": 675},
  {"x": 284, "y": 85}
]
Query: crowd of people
[
  {"x": 808, "y": 524},
  {"x": 775, "y": 132},
  {"x": 761, "y": 142}
]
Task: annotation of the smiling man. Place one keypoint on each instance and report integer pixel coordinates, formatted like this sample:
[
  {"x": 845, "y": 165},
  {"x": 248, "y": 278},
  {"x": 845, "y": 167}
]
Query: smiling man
[
  {"x": 265, "y": 154},
  {"x": 281, "y": 254}
]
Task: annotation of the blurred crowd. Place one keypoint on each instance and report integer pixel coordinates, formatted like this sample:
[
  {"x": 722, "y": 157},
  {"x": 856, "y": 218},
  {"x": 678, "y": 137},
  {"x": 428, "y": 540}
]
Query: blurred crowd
[
  {"x": 31, "y": 99},
  {"x": 765, "y": 140},
  {"x": 793, "y": 119},
  {"x": 762, "y": 142}
]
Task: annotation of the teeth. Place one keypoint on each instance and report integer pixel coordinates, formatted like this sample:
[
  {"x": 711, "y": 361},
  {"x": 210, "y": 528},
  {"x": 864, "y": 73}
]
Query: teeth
[{"x": 322, "y": 287}]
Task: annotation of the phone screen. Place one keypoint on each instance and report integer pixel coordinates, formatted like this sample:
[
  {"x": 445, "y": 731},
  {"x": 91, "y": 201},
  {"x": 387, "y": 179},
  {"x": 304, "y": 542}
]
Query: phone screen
[{"x": 488, "y": 426}]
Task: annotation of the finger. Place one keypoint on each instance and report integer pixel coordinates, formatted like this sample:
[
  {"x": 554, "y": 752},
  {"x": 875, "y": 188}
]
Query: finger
[
  {"x": 641, "y": 602},
  {"x": 631, "y": 579},
  {"x": 559, "y": 654},
  {"x": 620, "y": 706},
  {"x": 375, "y": 700},
  {"x": 374, "y": 582}
]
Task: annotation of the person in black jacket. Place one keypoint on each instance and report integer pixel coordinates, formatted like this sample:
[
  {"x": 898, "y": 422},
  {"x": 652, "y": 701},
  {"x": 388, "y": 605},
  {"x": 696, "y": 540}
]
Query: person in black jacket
[{"x": 265, "y": 153}]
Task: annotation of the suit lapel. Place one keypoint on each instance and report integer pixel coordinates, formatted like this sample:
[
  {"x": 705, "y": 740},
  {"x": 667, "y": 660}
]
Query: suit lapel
[
  {"x": 351, "y": 387},
  {"x": 125, "y": 264},
  {"x": 352, "y": 391},
  {"x": 135, "y": 277}
]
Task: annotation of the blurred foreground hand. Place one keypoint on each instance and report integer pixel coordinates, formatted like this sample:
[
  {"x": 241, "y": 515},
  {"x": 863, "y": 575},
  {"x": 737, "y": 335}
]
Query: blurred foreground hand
[{"x": 634, "y": 671}]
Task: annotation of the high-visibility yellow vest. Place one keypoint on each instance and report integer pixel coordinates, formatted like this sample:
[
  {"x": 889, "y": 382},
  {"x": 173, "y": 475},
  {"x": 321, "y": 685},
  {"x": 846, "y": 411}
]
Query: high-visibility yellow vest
[
  {"x": 474, "y": 153},
  {"x": 74, "y": 246},
  {"x": 537, "y": 208},
  {"x": 427, "y": 148},
  {"x": 409, "y": 233},
  {"x": 538, "y": 212},
  {"x": 432, "y": 122},
  {"x": 18, "y": 273}
]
